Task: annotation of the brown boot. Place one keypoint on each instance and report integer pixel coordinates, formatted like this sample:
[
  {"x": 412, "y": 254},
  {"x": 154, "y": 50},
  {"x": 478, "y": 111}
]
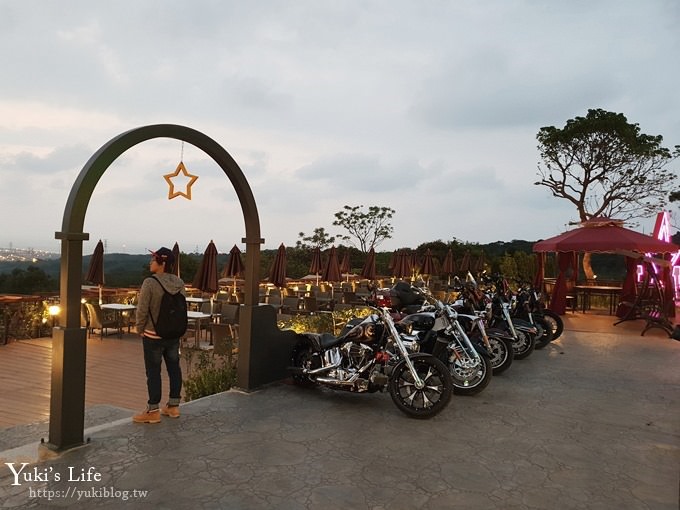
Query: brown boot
[
  {"x": 171, "y": 411},
  {"x": 148, "y": 416}
]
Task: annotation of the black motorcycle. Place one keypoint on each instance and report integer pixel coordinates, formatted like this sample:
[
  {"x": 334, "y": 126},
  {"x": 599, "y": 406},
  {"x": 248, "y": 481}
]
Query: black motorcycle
[
  {"x": 370, "y": 357},
  {"x": 438, "y": 332}
]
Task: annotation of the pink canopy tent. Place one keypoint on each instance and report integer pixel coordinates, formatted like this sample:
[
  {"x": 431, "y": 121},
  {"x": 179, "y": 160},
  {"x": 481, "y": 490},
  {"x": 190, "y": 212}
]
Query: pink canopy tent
[{"x": 595, "y": 235}]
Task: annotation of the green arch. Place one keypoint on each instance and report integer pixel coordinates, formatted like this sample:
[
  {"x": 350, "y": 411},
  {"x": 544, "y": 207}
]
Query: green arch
[{"x": 67, "y": 401}]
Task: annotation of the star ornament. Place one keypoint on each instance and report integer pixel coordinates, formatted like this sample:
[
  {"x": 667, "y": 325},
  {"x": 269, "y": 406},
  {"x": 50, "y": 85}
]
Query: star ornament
[{"x": 189, "y": 181}]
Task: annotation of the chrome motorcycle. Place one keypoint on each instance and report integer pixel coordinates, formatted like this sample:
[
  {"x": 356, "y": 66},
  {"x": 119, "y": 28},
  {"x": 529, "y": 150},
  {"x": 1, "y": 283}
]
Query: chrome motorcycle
[
  {"x": 438, "y": 332},
  {"x": 370, "y": 357}
]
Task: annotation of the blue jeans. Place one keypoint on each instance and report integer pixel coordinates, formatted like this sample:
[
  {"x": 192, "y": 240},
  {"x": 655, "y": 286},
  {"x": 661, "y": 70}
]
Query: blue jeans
[{"x": 154, "y": 352}]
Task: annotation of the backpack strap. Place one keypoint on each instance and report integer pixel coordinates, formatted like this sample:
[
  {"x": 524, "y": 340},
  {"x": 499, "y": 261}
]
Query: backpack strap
[{"x": 164, "y": 290}]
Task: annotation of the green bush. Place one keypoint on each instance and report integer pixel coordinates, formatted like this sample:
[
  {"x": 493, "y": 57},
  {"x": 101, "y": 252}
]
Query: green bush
[
  {"x": 323, "y": 322},
  {"x": 207, "y": 375}
]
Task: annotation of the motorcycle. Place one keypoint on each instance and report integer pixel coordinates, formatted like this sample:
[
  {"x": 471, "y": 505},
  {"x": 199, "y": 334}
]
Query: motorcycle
[
  {"x": 370, "y": 357},
  {"x": 438, "y": 332},
  {"x": 523, "y": 333},
  {"x": 524, "y": 307}
]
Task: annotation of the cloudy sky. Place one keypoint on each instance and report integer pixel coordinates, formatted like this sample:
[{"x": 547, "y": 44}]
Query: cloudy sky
[{"x": 428, "y": 107}]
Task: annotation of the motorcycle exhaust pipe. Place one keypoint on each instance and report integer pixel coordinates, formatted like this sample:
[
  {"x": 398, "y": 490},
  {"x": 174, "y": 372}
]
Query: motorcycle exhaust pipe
[
  {"x": 321, "y": 370},
  {"x": 333, "y": 382}
]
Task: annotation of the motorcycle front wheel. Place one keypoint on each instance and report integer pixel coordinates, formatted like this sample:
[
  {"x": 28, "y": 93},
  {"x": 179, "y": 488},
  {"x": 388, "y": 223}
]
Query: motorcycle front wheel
[
  {"x": 470, "y": 376},
  {"x": 501, "y": 353},
  {"x": 524, "y": 344},
  {"x": 422, "y": 402},
  {"x": 545, "y": 332},
  {"x": 555, "y": 322}
]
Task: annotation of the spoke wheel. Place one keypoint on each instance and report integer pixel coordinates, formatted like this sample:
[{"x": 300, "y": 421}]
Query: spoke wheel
[
  {"x": 422, "y": 402},
  {"x": 470, "y": 375}
]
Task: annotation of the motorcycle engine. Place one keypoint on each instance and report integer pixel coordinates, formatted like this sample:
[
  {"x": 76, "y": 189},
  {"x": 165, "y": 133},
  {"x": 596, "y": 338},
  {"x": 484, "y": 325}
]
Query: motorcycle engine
[{"x": 357, "y": 354}]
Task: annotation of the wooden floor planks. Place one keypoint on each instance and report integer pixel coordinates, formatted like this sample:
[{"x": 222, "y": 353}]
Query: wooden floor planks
[{"x": 114, "y": 376}]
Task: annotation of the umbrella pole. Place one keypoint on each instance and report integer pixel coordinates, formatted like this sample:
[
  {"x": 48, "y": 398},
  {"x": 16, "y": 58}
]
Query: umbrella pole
[{"x": 100, "y": 295}]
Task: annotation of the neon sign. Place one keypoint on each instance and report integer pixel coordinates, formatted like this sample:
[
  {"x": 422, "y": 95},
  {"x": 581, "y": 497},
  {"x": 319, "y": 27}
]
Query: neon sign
[{"x": 662, "y": 231}]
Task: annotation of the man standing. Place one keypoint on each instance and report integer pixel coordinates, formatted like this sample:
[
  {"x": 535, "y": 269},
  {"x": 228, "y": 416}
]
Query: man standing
[{"x": 157, "y": 347}]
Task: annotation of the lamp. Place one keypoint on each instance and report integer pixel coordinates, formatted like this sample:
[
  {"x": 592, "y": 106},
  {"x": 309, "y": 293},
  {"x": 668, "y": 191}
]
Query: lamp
[{"x": 53, "y": 311}]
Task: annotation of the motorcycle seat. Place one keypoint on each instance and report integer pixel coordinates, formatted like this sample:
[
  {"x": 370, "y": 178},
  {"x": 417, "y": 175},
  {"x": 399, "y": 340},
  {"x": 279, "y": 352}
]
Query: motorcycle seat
[{"x": 327, "y": 340}]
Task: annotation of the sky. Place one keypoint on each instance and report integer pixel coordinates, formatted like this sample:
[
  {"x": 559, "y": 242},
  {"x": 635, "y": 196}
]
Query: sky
[{"x": 428, "y": 107}]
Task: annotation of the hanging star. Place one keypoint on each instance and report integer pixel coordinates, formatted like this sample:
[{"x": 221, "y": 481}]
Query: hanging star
[{"x": 192, "y": 179}]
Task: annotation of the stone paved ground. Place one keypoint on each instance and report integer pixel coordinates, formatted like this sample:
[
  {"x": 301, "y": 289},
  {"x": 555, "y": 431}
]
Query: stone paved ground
[{"x": 590, "y": 422}]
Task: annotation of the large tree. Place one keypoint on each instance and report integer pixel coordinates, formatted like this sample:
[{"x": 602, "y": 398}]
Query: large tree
[
  {"x": 605, "y": 166},
  {"x": 366, "y": 229}
]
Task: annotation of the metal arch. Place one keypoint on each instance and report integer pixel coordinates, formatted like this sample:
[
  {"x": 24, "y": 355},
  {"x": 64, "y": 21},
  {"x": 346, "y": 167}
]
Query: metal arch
[{"x": 67, "y": 400}]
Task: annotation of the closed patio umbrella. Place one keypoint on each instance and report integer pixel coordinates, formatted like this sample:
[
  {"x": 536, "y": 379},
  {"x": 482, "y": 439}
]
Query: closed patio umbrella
[
  {"x": 331, "y": 271},
  {"x": 464, "y": 266},
  {"x": 414, "y": 263},
  {"x": 427, "y": 265},
  {"x": 449, "y": 266},
  {"x": 235, "y": 266},
  {"x": 480, "y": 263},
  {"x": 402, "y": 265},
  {"x": 368, "y": 270},
  {"x": 175, "y": 254},
  {"x": 206, "y": 276},
  {"x": 316, "y": 266},
  {"x": 95, "y": 273},
  {"x": 277, "y": 274},
  {"x": 345, "y": 264}
]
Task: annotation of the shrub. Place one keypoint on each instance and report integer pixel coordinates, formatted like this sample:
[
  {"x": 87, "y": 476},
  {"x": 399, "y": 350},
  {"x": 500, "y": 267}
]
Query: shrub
[{"x": 206, "y": 375}]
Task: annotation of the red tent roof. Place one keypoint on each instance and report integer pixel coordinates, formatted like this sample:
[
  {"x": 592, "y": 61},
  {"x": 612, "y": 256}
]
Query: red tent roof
[{"x": 604, "y": 237}]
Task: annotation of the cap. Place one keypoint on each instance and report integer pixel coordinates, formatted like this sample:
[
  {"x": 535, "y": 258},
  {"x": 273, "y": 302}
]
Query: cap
[{"x": 164, "y": 254}]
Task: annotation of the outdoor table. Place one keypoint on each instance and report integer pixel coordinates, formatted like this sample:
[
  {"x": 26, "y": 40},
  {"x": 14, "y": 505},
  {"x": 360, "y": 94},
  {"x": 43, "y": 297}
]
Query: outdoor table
[
  {"x": 118, "y": 308},
  {"x": 197, "y": 317},
  {"x": 586, "y": 291},
  {"x": 197, "y": 301}
]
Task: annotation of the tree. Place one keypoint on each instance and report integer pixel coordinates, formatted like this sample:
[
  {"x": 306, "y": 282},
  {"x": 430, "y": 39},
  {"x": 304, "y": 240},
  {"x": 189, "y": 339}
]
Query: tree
[
  {"x": 319, "y": 239},
  {"x": 606, "y": 167},
  {"x": 368, "y": 228}
]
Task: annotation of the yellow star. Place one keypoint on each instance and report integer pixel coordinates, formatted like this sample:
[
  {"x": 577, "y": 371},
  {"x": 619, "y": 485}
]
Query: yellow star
[{"x": 192, "y": 179}]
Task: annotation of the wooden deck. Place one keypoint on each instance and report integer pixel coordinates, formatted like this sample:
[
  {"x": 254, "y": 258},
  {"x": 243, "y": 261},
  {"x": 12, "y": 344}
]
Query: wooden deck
[{"x": 115, "y": 376}]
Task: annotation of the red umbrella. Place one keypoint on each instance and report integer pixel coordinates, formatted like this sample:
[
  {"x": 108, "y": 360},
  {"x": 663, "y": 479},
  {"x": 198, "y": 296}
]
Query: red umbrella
[
  {"x": 234, "y": 265},
  {"x": 414, "y": 262},
  {"x": 464, "y": 264},
  {"x": 393, "y": 260},
  {"x": 345, "y": 264},
  {"x": 206, "y": 276},
  {"x": 368, "y": 270},
  {"x": 479, "y": 264},
  {"x": 316, "y": 267},
  {"x": 402, "y": 265},
  {"x": 331, "y": 271},
  {"x": 427, "y": 266},
  {"x": 95, "y": 273},
  {"x": 277, "y": 275},
  {"x": 175, "y": 254},
  {"x": 449, "y": 266}
]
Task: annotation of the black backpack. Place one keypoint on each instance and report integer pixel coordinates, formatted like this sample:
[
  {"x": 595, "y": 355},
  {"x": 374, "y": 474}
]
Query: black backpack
[{"x": 172, "y": 316}]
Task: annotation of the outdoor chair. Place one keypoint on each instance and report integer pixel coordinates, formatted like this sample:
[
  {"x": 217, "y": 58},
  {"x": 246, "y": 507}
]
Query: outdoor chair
[
  {"x": 230, "y": 314},
  {"x": 224, "y": 342},
  {"x": 290, "y": 305},
  {"x": 98, "y": 320},
  {"x": 275, "y": 301}
]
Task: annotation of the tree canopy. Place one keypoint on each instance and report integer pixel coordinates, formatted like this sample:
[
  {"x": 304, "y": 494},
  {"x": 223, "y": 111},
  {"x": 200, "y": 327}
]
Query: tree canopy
[
  {"x": 366, "y": 229},
  {"x": 605, "y": 166}
]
